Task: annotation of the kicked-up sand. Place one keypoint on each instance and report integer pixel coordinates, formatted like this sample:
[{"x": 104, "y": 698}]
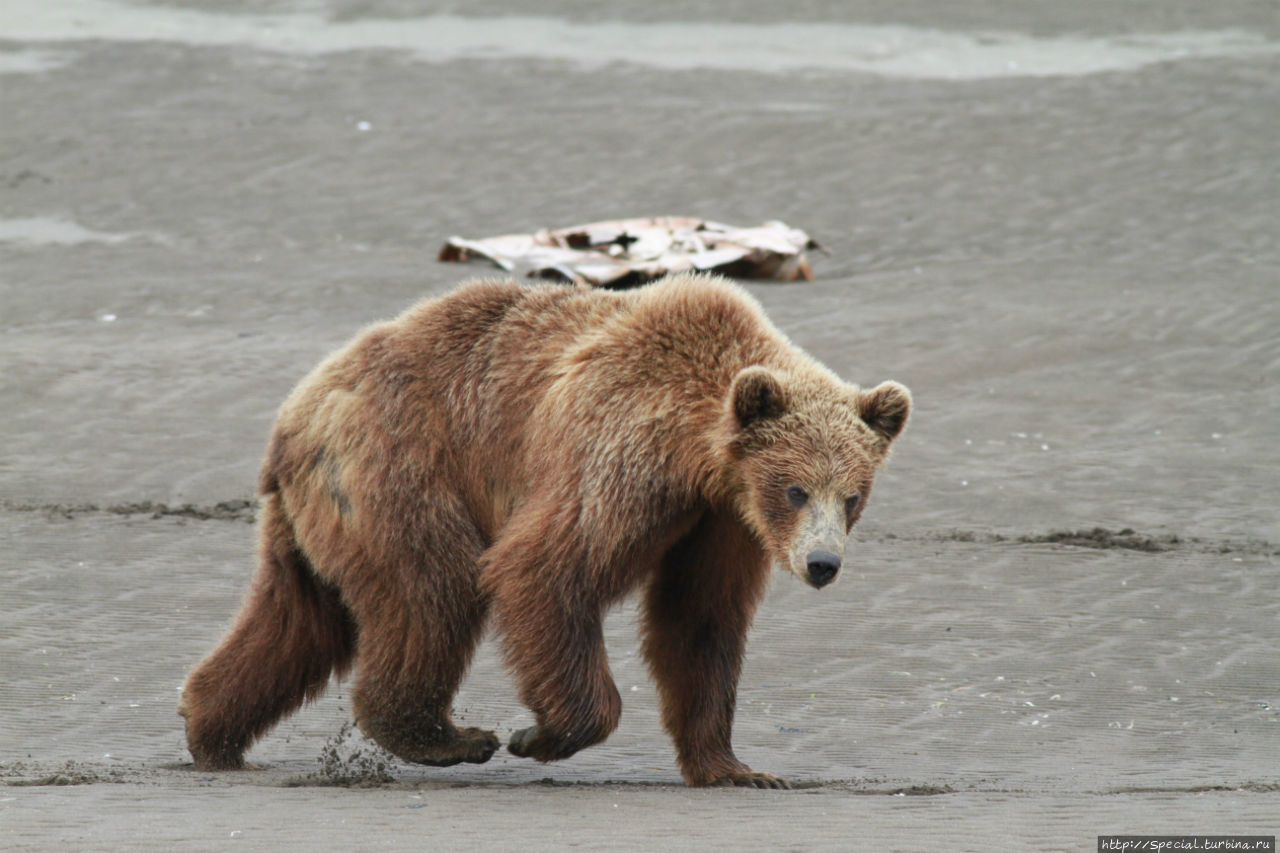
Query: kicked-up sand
[{"x": 1056, "y": 224}]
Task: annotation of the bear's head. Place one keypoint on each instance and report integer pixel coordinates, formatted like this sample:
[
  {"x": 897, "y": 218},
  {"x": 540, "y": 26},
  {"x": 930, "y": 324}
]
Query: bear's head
[{"x": 805, "y": 448}]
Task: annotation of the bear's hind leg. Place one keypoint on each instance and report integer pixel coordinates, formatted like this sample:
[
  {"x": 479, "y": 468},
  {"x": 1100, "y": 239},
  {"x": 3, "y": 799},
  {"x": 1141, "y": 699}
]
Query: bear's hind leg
[
  {"x": 411, "y": 660},
  {"x": 291, "y": 633}
]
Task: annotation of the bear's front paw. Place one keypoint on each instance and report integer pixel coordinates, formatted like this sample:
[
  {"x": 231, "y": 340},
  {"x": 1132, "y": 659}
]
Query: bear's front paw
[
  {"x": 541, "y": 745},
  {"x": 523, "y": 743},
  {"x": 750, "y": 779}
]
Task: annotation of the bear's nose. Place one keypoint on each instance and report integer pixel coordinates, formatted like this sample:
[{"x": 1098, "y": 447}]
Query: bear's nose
[{"x": 823, "y": 566}]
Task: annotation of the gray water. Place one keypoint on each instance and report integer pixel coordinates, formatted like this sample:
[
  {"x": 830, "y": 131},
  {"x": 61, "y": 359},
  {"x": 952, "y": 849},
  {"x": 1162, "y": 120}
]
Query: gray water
[{"x": 674, "y": 45}]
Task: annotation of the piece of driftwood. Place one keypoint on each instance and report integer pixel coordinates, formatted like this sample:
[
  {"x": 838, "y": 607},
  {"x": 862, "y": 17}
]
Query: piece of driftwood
[{"x": 625, "y": 252}]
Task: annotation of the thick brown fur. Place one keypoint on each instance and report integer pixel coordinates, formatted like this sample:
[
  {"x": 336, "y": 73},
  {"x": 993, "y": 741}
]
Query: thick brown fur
[{"x": 529, "y": 455}]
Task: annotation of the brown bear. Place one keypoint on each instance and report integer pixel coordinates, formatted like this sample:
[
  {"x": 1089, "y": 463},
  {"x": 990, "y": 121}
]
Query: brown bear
[{"x": 529, "y": 455}]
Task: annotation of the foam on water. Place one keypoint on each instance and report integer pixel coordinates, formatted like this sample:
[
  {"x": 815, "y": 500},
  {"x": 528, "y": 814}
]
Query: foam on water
[
  {"x": 50, "y": 231},
  {"x": 775, "y": 48},
  {"x": 30, "y": 61}
]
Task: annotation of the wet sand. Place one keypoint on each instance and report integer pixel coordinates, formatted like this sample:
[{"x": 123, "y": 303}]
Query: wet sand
[{"x": 1060, "y": 617}]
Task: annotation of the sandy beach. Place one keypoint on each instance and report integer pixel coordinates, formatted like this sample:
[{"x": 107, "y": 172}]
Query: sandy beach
[{"x": 1056, "y": 224}]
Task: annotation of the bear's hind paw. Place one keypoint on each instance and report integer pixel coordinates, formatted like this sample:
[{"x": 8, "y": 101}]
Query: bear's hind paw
[
  {"x": 483, "y": 744},
  {"x": 471, "y": 746}
]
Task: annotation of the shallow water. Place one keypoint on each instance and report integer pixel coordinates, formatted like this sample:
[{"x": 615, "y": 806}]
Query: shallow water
[{"x": 771, "y": 48}]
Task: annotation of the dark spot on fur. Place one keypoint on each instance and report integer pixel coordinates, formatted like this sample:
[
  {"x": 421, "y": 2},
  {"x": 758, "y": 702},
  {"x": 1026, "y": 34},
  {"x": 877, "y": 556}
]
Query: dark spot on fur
[{"x": 332, "y": 473}]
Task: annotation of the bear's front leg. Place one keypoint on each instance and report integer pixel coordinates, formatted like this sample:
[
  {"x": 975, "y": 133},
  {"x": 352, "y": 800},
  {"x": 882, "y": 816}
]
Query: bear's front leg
[
  {"x": 550, "y": 618},
  {"x": 696, "y": 616},
  {"x": 564, "y": 679}
]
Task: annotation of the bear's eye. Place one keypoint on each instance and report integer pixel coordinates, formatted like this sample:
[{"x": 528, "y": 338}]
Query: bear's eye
[
  {"x": 798, "y": 496},
  {"x": 851, "y": 503}
]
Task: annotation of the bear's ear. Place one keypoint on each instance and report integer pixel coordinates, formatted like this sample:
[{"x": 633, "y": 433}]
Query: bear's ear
[
  {"x": 756, "y": 395},
  {"x": 885, "y": 408}
]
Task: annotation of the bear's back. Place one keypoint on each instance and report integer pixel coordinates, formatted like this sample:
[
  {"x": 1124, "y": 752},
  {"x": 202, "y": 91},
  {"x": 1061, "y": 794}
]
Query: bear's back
[{"x": 510, "y": 341}]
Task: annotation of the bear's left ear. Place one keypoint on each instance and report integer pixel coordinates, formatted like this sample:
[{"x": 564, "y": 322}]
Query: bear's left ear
[
  {"x": 756, "y": 395},
  {"x": 885, "y": 408}
]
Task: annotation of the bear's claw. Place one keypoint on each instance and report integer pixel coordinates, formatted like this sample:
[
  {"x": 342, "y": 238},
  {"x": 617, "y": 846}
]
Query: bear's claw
[
  {"x": 751, "y": 779},
  {"x": 521, "y": 743},
  {"x": 537, "y": 743}
]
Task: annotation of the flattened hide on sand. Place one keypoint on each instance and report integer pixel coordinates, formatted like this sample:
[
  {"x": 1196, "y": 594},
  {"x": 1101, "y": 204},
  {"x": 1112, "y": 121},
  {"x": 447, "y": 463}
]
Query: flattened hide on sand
[{"x": 622, "y": 253}]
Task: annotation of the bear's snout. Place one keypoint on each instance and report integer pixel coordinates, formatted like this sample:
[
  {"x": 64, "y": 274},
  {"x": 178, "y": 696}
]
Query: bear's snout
[{"x": 823, "y": 566}]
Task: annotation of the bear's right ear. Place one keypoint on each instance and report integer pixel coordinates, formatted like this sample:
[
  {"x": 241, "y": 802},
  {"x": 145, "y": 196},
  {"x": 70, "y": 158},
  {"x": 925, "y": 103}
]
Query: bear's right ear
[{"x": 756, "y": 395}]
